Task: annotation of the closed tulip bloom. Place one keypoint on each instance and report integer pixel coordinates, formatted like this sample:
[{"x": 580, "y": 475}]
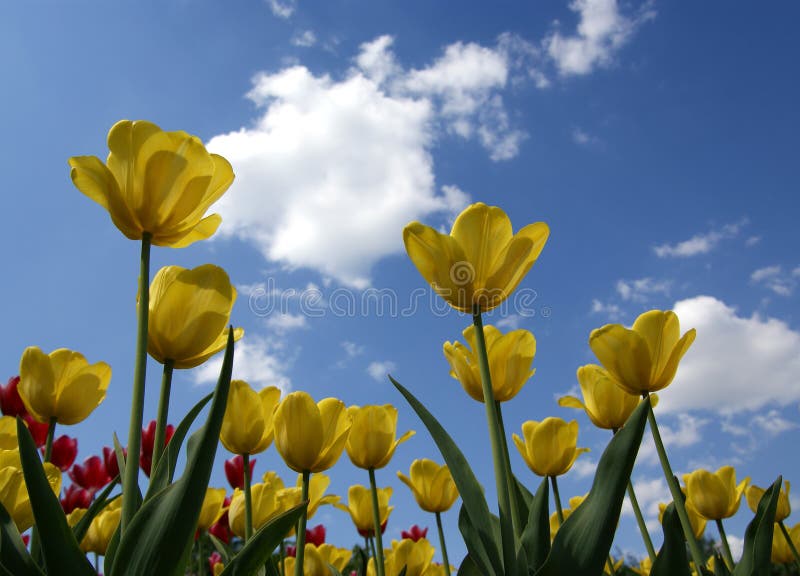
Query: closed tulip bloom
[
  {"x": 8, "y": 433},
  {"x": 781, "y": 552},
  {"x": 754, "y": 494},
  {"x": 189, "y": 313},
  {"x": 247, "y": 427},
  {"x": 510, "y": 358},
  {"x": 14, "y": 493},
  {"x": 415, "y": 556},
  {"x": 371, "y": 442},
  {"x": 155, "y": 182},
  {"x": 605, "y": 402},
  {"x": 310, "y": 437},
  {"x": 317, "y": 559},
  {"x": 549, "y": 447},
  {"x": 431, "y": 484},
  {"x": 234, "y": 471},
  {"x": 102, "y": 528},
  {"x": 212, "y": 508},
  {"x": 292, "y": 496},
  {"x": 65, "y": 449},
  {"x": 715, "y": 495},
  {"x": 645, "y": 358},
  {"x": 695, "y": 519},
  {"x": 92, "y": 474},
  {"x": 359, "y": 506},
  {"x": 61, "y": 385},
  {"x": 10, "y": 402},
  {"x": 480, "y": 263},
  {"x": 265, "y": 507}
]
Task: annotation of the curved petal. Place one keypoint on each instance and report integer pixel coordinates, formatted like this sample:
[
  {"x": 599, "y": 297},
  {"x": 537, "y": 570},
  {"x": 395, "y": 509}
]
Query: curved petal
[
  {"x": 243, "y": 424},
  {"x": 37, "y": 386},
  {"x": 482, "y": 232},
  {"x": 298, "y": 431},
  {"x": 671, "y": 367},
  {"x": 82, "y": 392},
  {"x": 660, "y": 330},
  {"x": 204, "y": 229},
  {"x": 624, "y": 354}
]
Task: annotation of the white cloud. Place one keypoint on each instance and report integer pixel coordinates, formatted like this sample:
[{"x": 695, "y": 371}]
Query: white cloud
[
  {"x": 379, "y": 370},
  {"x": 773, "y": 423},
  {"x": 256, "y": 360},
  {"x": 612, "y": 311},
  {"x": 774, "y": 279},
  {"x": 641, "y": 289},
  {"x": 283, "y": 322},
  {"x": 304, "y": 39},
  {"x": 765, "y": 273},
  {"x": 736, "y": 545},
  {"x": 580, "y": 136},
  {"x": 752, "y": 241},
  {"x": 736, "y": 364},
  {"x": 352, "y": 349},
  {"x": 796, "y": 272},
  {"x": 650, "y": 492},
  {"x": 602, "y": 31},
  {"x": 510, "y": 322},
  {"x": 700, "y": 243},
  {"x": 282, "y": 8},
  {"x": 682, "y": 434},
  {"x": 583, "y": 467}
]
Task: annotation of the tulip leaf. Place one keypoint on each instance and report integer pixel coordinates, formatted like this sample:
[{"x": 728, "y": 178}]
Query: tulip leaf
[
  {"x": 258, "y": 549},
  {"x": 100, "y": 502},
  {"x": 535, "y": 539},
  {"x": 155, "y": 540},
  {"x": 14, "y": 556},
  {"x": 672, "y": 559},
  {"x": 468, "y": 567},
  {"x": 482, "y": 544},
  {"x": 755, "y": 559},
  {"x": 720, "y": 568},
  {"x": 220, "y": 547},
  {"x": 165, "y": 468},
  {"x": 472, "y": 537},
  {"x": 59, "y": 547},
  {"x": 582, "y": 543}
]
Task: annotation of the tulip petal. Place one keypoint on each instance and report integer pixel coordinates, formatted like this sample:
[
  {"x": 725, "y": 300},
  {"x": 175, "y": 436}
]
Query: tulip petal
[
  {"x": 243, "y": 424},
  {"x": 661, "y": 331},
  {"x": 82, "y": 392},
  {"x": 298, "y": 431},
  {"x": 671, "y": 366},
  {"x": 514, "y": 262},
  {"x": 482, "y": 232},
  {"x": 204, "y": 229},
  {"x": 37, "y": 385},
  {"x": 625, "y": 354}
]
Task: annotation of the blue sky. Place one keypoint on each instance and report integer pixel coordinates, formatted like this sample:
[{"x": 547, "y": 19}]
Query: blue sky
[{"x": 657, "y": 140}]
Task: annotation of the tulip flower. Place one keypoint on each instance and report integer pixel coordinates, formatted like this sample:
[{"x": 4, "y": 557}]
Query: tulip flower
[
  {"x": 715, "y": 495},
  {"x": 781, "y": 550},
  {"x": 61, "y": 386},
  {"x": 480, "y": 263},
  {"x": 549, "y": 447},
  {"x": 92, "y": 474},
  {"x": 371, "y": 443},
  {"x": 605, "y": 402},
  {"x": 110, "y": 461},
  {"x": 212, "y": 508},
  {"x": 318, "y": 558},
  {"x": 8, "y": 433},
  {"x": 359, "y": 506},
  {"x": 102, "y": 528},
  {"x": 221, "y": 528},
  {"x": 39, "y": 430},
  {"x": 148, "y": 445},
  {"x": 556, "y": 521},
  {"x": 75, "y": 498},
  {"x": 155, "y": 182},
  {"x": 247, "y": 427},
  {"x": 10, "y": 402},
  {"x": 316, "y": 535},
  {"x": 697, "y": 521},
  {"x": 645, "y": 565},
  {"x": 291, "y": 497},
  {"x": 213, "y": 561},
  {"x": 432, "y": 485},
  {"x": 65, "y": 449},
  {"x": 265, "y": 506},
  {"x": 754, "y": 494},
  {"x": 510, "y": 358},
  {"x": 189, "y": 312},
  {"x": 234, "y": 471},
  {"x": 415, "y": 556},
  {"x": 14, "y": 493},
  {"x": 414, "y": 533}
]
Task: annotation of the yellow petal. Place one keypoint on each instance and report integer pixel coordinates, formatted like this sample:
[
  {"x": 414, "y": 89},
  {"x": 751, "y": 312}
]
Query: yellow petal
[
  {"x": 299, "y": 431},
  {"x": 37, "y": 386},
  {"x": 482, "y": 232},
  {"x": 243, "y": 423},
  {"x": 625, "y": 354}
]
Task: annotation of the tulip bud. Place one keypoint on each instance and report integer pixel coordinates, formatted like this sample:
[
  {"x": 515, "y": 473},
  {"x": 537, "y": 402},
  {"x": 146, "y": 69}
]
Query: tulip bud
[
  {"x": 10, "y": 402},
  {"x": 414, "y": 533},
  {"x": 91, "y": 475},
  {"x": 110, "y": 460},
  {"x": 65, "y": 449},
  {"x": 316, "y": 535},
  {"x": 76, "y": 497},
  {"x": 234, "y": 471},
  {"x": 37, "y": 429},
  {"x": 148, "y": 442},
  {"x": 213, "y": 560}
]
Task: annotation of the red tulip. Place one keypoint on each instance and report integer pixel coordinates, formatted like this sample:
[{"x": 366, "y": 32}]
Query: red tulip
[
  {"x": 65, "y": 449},
  {"x": 316, "y": 535},
  {"x": 414, "y": 533},
  {"x": 148, "y": 441},
  {"x": 234, "y": 471},
  {"x": 76, "y": 497},
  {"x": 110, "y": 461},
  {"x": 91, "y": 475},
  {"x": 213, "y": 560},
  {"x": 370, "y": 533},
  {"x": 38, "y": 430},
  {"x": 221, "y": 529},
  {"x": 26, "y": 539},
  {"x": 10, "y": 402}
]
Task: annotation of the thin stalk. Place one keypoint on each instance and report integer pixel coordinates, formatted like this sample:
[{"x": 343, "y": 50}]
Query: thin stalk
[
  {"x": 557, "y": 497},
  {"x": 130, "y": 483},
  {"x": 726, "y": 549},
  {"x": 163, "y": 413},
  {"x": 376, "y": 521},
  {"x": 505, "y": 497},
  {"x": 301, "y": 528},
  {"x": 372, "y": 548},
  {"x": 441, "y": 542},
  {"x": 248, "y": 499},
  {"x": 790, "y": 543},
  {"x": 51, "y": 433},
  {"x": 283, "y": 558},
  {"x": 648, "y": 543},
  {"x": 675, "y": 490},
  {"x": 516, "y": 522}
]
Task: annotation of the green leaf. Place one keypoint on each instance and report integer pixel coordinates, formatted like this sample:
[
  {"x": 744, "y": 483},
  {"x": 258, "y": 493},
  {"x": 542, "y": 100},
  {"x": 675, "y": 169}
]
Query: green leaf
[
  {"x": 468, "y": 567},
  {"x": 156, "y": 538},
  {"x": 672, "y": 559},
  {"x": 720, "y": 568},
  {"x": 257, "y": 550},
  {"x": 482, "y": 543},
  {"x": 14, "y": 556},
  {"x": 62, "y": 555},
  {"x": 535, "y": 539},
  {"x": 755, "y": 559},
  {"x": 581, "y": 545},
  {"x": 220, "y": 547},
  {"x": 165, "y": 468},
  {"x": 100, "y": 502}
]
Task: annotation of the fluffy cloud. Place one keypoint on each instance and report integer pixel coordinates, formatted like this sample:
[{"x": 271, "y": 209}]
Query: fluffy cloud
[
  {"x": 775, "y": 279},
  {"x": 282, "y": 8},
  {"x": 611, "y": 311},
  {"x": 641, "y": 289},
  {"x": 256, "y": 360},
  {"x": 700, "y": 243},
  {"x": 304, "y": 39},
  {"x": 379, "y": 370}
]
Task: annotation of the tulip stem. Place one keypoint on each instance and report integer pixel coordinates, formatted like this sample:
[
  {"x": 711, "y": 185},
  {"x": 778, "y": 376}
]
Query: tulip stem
[
  {"x": 163, "y": 413},
  {"x": 790, "y": 543},
  {"x": 674, "y": 488},
  {"x": 248, "y": 499},
  {"x": 51, "y": 433},
  {"x": 441, "y": 543},
  {"x": 648, "y": 543},
  {"x": 301, "y": 528},
  {"x": 516, "y": 522},
  {"x": 505, "y": 497},
  {"x": 370, "y": 548},
  {"x": 557, "y": 497},
  {"x": 130, "y": 483},
  {"x": 376, "y": 521},
  {"x": 726, "y": 549}
]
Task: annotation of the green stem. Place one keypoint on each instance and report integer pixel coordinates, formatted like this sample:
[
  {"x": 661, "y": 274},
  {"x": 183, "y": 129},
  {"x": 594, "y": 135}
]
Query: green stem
[
  {"x": 301, "y": 528},
  {"x": 376, "y": 521},
  {"x": 283, "y": 558},
  {"x": 51, "y": 433},
  {"x": 674, "y": 488},
  {"x": 726, "y": 549},
  {"x": 248, "y": 499},
  {"x": 505, "y": 497},
  {"x": 372, "y": 548},
  {"x": 130, "y": 483},
  {"x": 163, "y": 413},
  {"x": 516, "y": 522},
  {"x": 648, "y": 543},
  {"x": 557, "y": 497},
  {"x": 790, "y": 543},
  {"x": 441, "y": 543}
]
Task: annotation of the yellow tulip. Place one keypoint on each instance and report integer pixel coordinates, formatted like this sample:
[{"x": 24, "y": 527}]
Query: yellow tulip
[
  {"x": 549, "y": 447},
  {"x": 155, "y": 182},
  {"x": 265, "y": 502},
  {"x": 102, "y": 528},
  {"x": 695, "y": 519},
  {"x": 359, "y": 506},
  {"x": 212, "y": 508},
  {"x": 318, "y": 483},
  {"x": 480, "y": 263},
  {"x": 317, "y": 559},
  {"x": 431, "y": 484},
  {"x": 510, "y": 357},
  {"x": 415, "y": 556},
  {"x": 247, "y": 427},
  {"x": 555, "y": 523},
  {"x": 605, "y": 402},
  {"x": 189, "y": 314},
  {"x": 371, "y": 443},
  {"x": 754, "y": 494},
  {"x": 61, "y": 385},
  {"x": 645, "y": 565},
  {"x": 715, "y": 495},
  {"x": 645, "y": 358},
  {"x": 8, "y": 433},
  {"x": 14, "y": 493},
  {"x": 310, "y": 437},
  {"x": 781, "y": 553}
]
